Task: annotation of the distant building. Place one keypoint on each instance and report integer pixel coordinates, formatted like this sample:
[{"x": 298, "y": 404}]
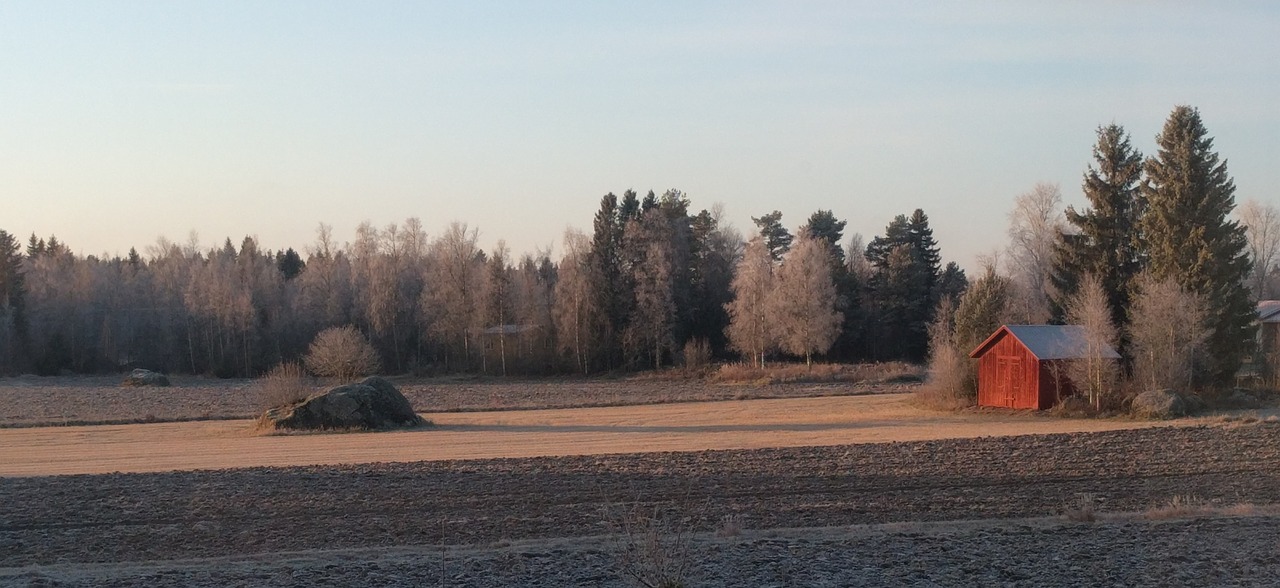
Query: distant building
[{"x": 1024, "y": 366}]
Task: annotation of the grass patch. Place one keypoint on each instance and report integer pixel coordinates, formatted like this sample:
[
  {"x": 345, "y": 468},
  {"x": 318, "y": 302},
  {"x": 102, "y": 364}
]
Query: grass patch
[{"x": 894, "y": 372}]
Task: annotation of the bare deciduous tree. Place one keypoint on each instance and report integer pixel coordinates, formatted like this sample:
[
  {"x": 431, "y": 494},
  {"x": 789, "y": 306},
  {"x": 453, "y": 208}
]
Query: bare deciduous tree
[
  {"x": 1094, "y": 374},
  {"x": 449, "y": 307},
  {"x": 804, "y": 300},
  {"x": 751, "y": 330},
  {"x": 574, "y": 308},
  {"x": 342, "y": 353},
  {"x": 1035, "y": 226},
  {"x": 1167, "y": 331},
  {"x": 1262, "y": 230}
]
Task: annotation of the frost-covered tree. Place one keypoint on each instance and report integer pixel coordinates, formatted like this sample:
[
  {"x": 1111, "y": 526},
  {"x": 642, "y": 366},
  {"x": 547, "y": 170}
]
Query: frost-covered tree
[
  {"x": 1168, "y": 332},
  {"x": 1094, "y": 374},
  {"x": 804, "y": 299},
  {"x": 1262, "y": 229},
  {"x": 751, "y": 330},
  {"x": 574, "y": 309},
  {"x": 1035, "y": 227}
]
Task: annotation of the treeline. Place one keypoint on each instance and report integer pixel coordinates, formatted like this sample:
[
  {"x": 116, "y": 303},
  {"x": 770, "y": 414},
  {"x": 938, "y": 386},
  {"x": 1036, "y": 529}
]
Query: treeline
[
  {"x": 651, "y": 286},
  {"x": 1159, "y": 266}
]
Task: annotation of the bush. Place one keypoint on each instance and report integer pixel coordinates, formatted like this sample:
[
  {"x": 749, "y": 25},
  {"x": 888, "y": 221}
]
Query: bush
[
  {"x": 697, "y": 354},
  {"x": 952, "y": 376},
  {"x": 285, "y": 384},
  {"x": 342, "y": 353}
]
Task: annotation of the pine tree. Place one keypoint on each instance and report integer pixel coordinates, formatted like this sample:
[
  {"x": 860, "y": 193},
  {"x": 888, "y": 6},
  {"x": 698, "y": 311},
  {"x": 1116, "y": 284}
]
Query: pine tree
[
  {"x": 1107, "y": 244},
  {"x": 777, "y": 238},
  {"x": 1189, "y": 197}
]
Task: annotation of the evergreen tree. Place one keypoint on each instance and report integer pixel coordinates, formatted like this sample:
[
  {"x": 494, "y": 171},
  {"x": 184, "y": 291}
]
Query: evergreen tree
[
  {"x": 825, "y": 227},
  {"x": 981, "y": 310},
  {"x": 13, "y": 321},
  {"x": 605, "y": 271},
  {"x": 1190, "y": 239},
  {"x": 952, "y": 283},
  {"x": 777, "y": 238},
  {"x": 904, "y": 287},
  {"x": 290, "y": 264},
  {"x": 1106, "y": 244}
]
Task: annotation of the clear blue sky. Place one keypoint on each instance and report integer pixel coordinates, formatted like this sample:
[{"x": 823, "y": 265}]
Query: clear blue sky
[{"x": 122, "y": 121}]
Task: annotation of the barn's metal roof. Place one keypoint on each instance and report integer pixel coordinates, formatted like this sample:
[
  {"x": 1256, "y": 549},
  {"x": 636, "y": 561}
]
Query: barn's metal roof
[
  {"x": 1269, "y": 311},
  {"x": 1049, "y": 341}
]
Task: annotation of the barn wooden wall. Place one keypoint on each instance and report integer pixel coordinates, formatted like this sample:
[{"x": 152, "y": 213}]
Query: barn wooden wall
[{"x": 1008, "y": 375}]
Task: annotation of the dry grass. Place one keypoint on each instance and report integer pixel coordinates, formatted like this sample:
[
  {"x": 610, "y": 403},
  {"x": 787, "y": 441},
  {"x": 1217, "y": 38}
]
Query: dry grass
[
  {"x": 1180, "y": 507},
  {"x": 1083, "y": 510},
  {"x": 285, "y": 384},
  {"x": 791, "y": 373},
  {"x": 730, "y": 526}
]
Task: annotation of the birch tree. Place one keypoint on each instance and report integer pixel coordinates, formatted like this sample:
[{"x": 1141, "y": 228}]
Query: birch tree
[
  {"x": 575, "y": 309},
  {"x": 1035, "y": 227},
  {"x": 1094, "y": 374},
  {"x": 1262, "y": 231},
  {"x": 804, "y": 299},
  {"x": 751, "y": 329}
]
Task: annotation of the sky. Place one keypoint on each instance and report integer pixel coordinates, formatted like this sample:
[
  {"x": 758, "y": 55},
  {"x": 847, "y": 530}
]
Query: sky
[{"x": 121, "y": 122}]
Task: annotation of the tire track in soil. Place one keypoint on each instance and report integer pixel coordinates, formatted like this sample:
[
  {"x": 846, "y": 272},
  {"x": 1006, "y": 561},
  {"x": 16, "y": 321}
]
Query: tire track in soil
[{"x": 138, "y": 517}]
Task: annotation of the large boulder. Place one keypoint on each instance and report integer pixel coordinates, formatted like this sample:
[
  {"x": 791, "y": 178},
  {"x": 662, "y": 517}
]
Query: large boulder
[
  {"x": 1158, "y": 404},
  {"x": 141, "y": 377},
  {"x": 372, "y": 403}
]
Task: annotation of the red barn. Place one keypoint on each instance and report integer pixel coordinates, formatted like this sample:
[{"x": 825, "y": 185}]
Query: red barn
[{"x": 1023, "y": 366}]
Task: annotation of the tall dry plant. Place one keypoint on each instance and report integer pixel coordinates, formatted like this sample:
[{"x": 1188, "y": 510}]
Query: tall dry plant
[
  {"x": 342, "y": 353},
  {"x": 951, "y": 379},
  {"x": 1167, "y": 333},
  {"x": 285, "y": 384},
  {"x": 1095, "y": 374}
]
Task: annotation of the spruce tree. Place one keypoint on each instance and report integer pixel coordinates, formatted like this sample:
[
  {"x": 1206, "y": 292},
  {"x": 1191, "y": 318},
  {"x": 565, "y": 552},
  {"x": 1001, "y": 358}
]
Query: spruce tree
[
  {"x": 904, "y": 288},
  {"x": 1107, "y": 243},
  {"x": 1190, "y": 239}
]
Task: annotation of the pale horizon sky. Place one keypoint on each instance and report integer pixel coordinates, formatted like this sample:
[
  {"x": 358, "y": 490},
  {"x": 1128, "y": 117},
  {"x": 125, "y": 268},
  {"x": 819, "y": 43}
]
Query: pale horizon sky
[{"x": 124, "y": 121}]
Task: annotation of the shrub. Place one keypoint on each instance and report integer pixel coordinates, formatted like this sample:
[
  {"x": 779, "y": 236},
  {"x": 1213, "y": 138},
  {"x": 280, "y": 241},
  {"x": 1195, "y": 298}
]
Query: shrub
[
  {"x": 342, "y": 353},
  {"x": 285, "y": 384},
  {"x": 952, "y": 376},
  {"x": 697, "y": 354}
]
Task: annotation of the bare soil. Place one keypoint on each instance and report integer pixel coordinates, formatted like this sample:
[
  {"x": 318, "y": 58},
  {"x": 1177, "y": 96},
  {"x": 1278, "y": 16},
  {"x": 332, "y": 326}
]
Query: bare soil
[
  {"x": 405, "y": 524},
  {"x": 84, "y": 400},
  {"x": 741, "y": 424}
]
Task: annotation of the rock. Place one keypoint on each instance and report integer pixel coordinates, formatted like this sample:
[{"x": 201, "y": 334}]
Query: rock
[
  {"x": 372, "y": 403},
  {"x": 141, "y": 377},
  {"x": 1158, "y": 404}
]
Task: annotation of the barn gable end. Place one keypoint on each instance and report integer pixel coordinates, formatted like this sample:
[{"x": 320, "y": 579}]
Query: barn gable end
[{"x": 1023, "y": 366}]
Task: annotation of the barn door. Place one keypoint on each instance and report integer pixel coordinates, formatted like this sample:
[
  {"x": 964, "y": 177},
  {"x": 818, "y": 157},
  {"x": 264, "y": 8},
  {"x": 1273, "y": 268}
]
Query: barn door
[
  {"x": 1015, "y": 382},
  {"x": 1008, "y": 380}
]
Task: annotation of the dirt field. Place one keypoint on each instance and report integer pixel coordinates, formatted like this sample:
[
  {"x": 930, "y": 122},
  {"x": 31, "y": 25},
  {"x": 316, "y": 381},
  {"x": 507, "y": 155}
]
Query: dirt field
[
  {"x": 856, "y": 487},
  {"x": 747, "y": 424},
  {"x": 83, "y": 400},
  {"x": 497, "y": 522}
]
